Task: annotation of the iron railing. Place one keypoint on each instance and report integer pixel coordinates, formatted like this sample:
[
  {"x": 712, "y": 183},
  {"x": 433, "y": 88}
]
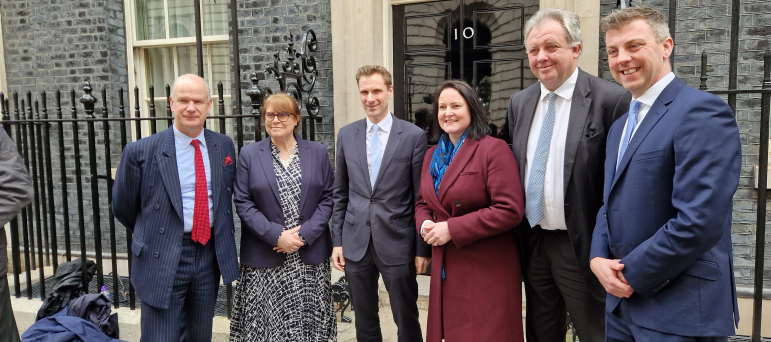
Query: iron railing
[{"x": 34, "y": 129}]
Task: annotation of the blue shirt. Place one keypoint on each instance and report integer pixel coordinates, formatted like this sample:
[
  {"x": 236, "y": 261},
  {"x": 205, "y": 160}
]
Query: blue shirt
[{"x": 186, "y": 171}]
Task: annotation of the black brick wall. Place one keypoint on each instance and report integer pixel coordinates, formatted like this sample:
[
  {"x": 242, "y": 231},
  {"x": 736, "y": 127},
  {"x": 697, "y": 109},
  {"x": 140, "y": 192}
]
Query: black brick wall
[
  {"x": 52, "y": 45},
  {"x": 705, "y": 25},
  {"x": 263, "y": 29}
]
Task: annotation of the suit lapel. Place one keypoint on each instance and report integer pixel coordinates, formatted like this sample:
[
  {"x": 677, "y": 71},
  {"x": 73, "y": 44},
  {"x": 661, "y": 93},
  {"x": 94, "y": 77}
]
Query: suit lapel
[
  {"x": 360, "y": 140},
  {"x": 167, "y": 165},
  {"x": 655, "y": 114},
  {"x": 394, "y": 138},
  {"x": 428, "y": 188},
  {"x": 215, "y": 166},
  {"x": 266, "y": 160},
  {"x": 579, "y": 112},
  {"x": 305, "y": 167},
  {"x": 457, "y": 165},
  {"x": 521, "y": 136}
]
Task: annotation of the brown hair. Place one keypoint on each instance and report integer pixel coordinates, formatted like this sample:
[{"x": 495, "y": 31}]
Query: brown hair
[
  {"x": 283, "y": 103},
  {"x": 369, "y": 70},
  {"x": 621, "y": 17}
]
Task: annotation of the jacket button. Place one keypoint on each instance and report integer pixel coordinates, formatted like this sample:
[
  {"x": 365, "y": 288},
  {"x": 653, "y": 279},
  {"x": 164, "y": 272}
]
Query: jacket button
[
  {"x": 613, "y": 246},
  {"x": 368, "y": 222},
  {"x": 162, "y": 230},
  {"x": 371, "y": 200},
  {"x": 157, "y": 206},
  {"x": 434, "y": 216},
  {"x": 605, "y": 214},
  {"x": 301, "y": 217},
  {"x": 457, "y": 204},
  {"x": 157, "y": 255}
]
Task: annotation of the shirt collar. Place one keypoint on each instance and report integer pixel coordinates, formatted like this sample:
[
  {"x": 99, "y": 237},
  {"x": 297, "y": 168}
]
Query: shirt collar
[
  {"x": 565, "y": 90},
  {"x": 384, "y": 124},
  {"x": 650, "y": 95},
  {"x": 184, "y": 141}
]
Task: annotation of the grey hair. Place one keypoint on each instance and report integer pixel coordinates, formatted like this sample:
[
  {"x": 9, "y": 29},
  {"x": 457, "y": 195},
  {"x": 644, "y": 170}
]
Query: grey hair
[
  {"x": 569, "y": 20},
  {"x": 620, "y": 17},
  {"x": 174, "y": 86}
]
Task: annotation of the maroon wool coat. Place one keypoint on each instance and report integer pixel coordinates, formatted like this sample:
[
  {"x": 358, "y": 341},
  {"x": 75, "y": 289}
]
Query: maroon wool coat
[{"x": 481, "y": 200}]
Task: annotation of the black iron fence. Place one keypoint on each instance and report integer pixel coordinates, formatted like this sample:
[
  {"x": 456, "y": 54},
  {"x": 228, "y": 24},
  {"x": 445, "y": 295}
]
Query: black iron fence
[{"x": 36, "y": 129}]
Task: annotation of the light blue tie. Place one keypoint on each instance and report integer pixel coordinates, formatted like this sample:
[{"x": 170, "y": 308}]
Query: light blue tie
[
  {"x": 534, "y": 200},
  {"x": 375, "y": 155},
  {"x": 631, "y": 123}
]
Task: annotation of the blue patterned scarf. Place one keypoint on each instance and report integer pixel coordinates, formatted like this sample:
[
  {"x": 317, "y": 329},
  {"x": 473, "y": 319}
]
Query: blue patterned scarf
[{"x": 443, "y": 155}]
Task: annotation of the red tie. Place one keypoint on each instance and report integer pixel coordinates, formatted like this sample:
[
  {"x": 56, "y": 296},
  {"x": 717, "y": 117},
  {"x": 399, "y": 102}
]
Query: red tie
[{"x": 201, "y": 226}]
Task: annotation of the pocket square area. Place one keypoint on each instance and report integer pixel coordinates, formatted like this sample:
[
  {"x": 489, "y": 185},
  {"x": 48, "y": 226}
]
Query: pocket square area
[{"x": 228, "y": 160}]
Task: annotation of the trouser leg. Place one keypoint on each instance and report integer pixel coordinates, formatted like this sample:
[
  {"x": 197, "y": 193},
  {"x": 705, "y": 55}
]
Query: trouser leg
[
  {"x": 362, "y": 277},
  {"x": 402, "y": 286}
]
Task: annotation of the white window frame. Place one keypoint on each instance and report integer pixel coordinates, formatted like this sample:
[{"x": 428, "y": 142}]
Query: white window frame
[{"x": 137, "y": 71}]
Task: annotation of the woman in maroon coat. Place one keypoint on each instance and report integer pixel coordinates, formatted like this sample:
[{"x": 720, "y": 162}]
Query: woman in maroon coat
[{"x": 469, "y": 199}]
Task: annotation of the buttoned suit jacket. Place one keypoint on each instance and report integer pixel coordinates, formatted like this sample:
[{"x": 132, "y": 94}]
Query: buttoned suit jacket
[
  {"x": 258, "y": 204},
  {"x": 386, "y": 212},
  {"x": 147, "y": 200},
  {"x": 667, "y": 214},
  {"x": 595, "y": 105}
]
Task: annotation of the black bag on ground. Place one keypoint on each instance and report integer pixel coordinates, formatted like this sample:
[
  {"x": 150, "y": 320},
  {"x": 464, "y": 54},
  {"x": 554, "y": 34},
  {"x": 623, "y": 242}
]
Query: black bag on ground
[{"x": 68, "y": 285}]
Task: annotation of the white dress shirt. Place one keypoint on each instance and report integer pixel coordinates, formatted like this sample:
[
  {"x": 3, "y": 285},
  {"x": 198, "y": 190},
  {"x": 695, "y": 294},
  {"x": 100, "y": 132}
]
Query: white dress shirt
[
  {"x": 382, "y": 134},
  {"x": 553, "y": 190},
  {"x": 646, "y": 102},
  {"x": 186, "y": 170}
]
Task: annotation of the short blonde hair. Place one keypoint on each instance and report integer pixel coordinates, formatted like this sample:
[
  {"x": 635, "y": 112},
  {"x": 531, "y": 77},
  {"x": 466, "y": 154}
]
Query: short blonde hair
[
  {"x": 283, "y": 103},
  {"x": 621, "y": 17},
  {"x": 369, "y": 70}
]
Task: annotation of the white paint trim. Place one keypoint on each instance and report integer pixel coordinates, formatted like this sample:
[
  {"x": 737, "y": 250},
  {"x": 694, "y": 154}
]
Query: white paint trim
[
  {"x": 407, "y": 2},
  {"x": 3, "y": 81}
]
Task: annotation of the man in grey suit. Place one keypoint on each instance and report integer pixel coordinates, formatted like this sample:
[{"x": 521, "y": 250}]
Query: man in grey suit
[
  {"x": 373, "y": 226},
  {"x": 559, "y": 127},
  {"x": 15, "y": 193},
  {"x": 173, "y": 192}
]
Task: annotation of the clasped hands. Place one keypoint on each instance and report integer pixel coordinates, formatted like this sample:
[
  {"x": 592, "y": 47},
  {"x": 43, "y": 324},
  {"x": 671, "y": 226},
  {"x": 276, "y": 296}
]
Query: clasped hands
[
  {"x": 608, "y": 272},
  {"x": 289, "y": 241},
  {"x": 435, "y": 234}
]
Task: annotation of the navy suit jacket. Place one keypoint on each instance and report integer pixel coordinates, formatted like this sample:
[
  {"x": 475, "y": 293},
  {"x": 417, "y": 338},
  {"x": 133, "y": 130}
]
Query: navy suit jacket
[
  {"x": 147, "y": 200},
  {"x": 259, "y": 206},
  {"x": 667, "y": 214}
]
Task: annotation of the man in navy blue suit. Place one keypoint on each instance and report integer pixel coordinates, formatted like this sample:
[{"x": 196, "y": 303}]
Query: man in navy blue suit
[
  {"x": 662, "y": 243},
  {"x": 173, "y": 191}
]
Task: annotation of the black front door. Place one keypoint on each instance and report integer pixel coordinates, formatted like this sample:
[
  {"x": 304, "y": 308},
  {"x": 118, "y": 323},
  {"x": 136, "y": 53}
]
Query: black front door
[{"x": 480, "y": 42}]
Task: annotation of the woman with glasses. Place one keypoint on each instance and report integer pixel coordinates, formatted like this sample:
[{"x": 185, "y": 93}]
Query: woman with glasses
[
  {"x": 283, "y": 195},
  {"x": 468, "y": 202}
]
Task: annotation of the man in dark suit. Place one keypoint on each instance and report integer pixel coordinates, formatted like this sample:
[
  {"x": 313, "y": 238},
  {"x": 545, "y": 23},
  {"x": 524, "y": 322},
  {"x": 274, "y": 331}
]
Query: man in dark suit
[
  {"x": 559, "y": 126},
  {"x": 662, "y": 244},
  {"x": 173, "y": 192},
  {"x": 373, "y": 226},
  {"x": 15, "y": 193}
]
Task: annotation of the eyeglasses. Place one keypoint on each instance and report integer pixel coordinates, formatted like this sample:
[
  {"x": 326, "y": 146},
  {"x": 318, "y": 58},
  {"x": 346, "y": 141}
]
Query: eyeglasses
[{"x": 281, "y": 116}]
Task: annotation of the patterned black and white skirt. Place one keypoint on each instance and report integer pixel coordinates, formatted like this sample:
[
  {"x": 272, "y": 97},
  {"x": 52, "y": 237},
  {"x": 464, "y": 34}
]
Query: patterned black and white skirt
[{"x": 291, "y": 302}]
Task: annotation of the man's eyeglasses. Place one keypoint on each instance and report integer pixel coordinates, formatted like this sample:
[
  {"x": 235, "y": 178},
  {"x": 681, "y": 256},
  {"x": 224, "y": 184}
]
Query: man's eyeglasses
[{"x": 281, "y": 116}]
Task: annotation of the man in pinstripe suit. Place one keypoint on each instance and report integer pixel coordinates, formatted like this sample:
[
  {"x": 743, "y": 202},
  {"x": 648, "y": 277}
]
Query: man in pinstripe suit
[{"x": 173, "y": 191}]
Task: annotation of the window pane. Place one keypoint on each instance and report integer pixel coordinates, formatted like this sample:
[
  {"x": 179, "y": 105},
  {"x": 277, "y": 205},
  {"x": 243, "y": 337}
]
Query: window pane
[
  {"x": 188, "y": 59},
  {"x": 215, "y": 17},
  {"x": 160, "y": 112},
  {"x": 159, "y": 69},
  {"x": 181, "y": 18},
  {"x": 150, "y": 19},
  {"x": 220, "y": 62}
]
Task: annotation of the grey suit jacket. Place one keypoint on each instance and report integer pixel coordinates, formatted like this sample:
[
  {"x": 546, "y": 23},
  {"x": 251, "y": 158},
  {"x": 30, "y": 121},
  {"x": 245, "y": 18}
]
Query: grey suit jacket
[
  {"x": 15, "y": 190},
  {"x": 147, "y": 200},
  {"x": 386, "y": 213},
  {"x": 595, "y": 105}
]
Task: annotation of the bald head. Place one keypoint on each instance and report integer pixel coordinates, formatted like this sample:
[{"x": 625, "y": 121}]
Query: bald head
[{"x": 190, "y": 102}]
